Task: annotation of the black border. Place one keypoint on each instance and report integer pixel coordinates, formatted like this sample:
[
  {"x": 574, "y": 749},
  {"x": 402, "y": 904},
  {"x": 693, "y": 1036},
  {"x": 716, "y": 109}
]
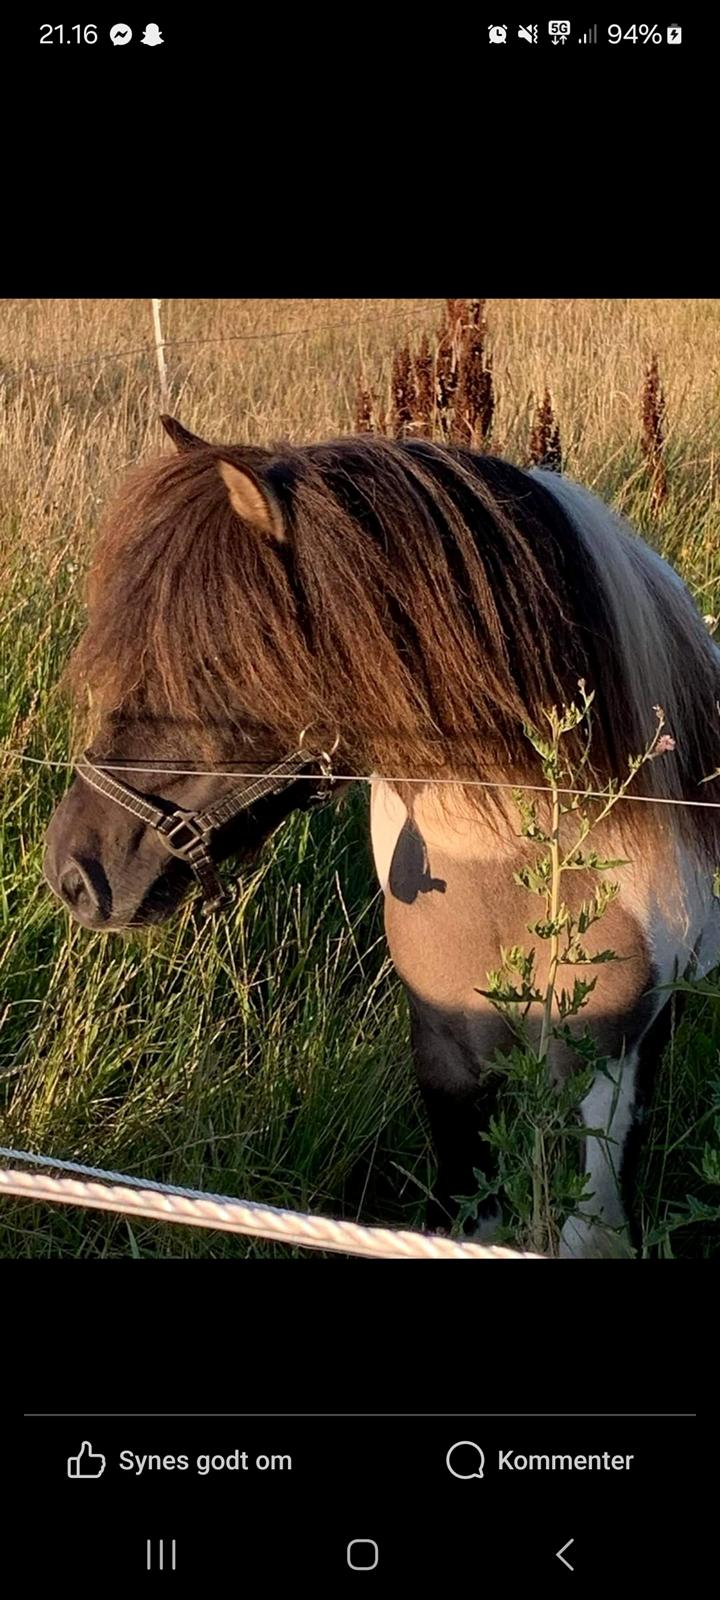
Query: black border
[
  {"x": 364, "y": 164},
  {"x": 329, "y": 1337}
]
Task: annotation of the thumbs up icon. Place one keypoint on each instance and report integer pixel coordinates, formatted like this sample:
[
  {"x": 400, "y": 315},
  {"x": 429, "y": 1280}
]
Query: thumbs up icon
[{"x": 86, "y": 1464}]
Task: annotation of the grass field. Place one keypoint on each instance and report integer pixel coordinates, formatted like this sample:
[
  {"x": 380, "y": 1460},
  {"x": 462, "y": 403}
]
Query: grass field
[{"x": 268, "y": 1056}]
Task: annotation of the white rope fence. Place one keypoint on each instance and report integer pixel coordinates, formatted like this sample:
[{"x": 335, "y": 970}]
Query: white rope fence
[{"x": 158, "y": 1202}]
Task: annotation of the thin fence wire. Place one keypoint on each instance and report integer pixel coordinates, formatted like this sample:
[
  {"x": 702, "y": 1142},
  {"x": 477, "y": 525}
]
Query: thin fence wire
[
  {"x": 353, "y": 777},
  {"x": 126, "y": 353}
]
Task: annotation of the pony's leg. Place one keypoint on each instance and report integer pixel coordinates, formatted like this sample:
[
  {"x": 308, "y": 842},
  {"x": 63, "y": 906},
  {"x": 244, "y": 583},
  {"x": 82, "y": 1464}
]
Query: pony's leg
[
  {"x": 599, "y": 1226},
  {"x": 456, "y": 1121},
  {"x": 606, "y": 1224},
  {"x": 459, "y": 1104},
  {"x": 652, "y": 1048}
]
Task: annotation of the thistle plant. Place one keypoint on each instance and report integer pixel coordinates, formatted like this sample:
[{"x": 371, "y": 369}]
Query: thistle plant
[
  {"x": 474, "y": 405},
  {"x": 653, "y": 434},
  {"x": 536, "y": 1175},
  {"x": 443, "y": 390},
  {"x": 545, "y": 446}
]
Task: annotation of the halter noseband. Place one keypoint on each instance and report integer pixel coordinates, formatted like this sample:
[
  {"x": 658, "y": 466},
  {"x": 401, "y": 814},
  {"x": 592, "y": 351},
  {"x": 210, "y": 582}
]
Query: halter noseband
[{"x": 188, "y": 834}]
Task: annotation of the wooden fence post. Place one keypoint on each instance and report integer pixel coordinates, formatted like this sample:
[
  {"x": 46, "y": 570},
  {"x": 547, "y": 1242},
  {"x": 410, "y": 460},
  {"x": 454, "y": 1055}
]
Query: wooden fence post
[{"x": 160, "y": 353}]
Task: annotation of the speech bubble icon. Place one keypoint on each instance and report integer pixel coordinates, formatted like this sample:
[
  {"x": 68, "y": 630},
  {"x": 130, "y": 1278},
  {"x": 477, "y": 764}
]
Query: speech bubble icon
[{"x": 465, "y": 1444}]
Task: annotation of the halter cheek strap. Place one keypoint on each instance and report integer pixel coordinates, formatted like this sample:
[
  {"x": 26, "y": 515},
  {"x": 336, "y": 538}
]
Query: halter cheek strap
[{"x": 189, "y": 834}]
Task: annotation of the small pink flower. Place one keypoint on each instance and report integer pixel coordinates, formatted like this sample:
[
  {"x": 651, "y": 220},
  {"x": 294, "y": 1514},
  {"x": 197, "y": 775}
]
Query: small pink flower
[{"x": 664, "y": 744}]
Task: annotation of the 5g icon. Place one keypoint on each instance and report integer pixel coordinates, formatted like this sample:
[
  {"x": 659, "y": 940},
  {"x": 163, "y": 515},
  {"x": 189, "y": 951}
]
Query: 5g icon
[{"x": 558, "y": 31}]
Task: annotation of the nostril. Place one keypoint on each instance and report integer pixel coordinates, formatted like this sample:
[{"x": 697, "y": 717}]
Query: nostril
[
  {"x": 76, "y": 888},
  {"x": 81, "y": 883}
]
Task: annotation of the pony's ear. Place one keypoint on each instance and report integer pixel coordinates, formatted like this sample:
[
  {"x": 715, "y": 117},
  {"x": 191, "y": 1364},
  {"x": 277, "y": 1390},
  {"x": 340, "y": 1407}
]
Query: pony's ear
[
  {"x": 252, "y": 502},
  {"x": 181, "y": 437}
]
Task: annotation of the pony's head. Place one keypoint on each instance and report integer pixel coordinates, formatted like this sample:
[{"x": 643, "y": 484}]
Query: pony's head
[{"x": 174, "y": 638}]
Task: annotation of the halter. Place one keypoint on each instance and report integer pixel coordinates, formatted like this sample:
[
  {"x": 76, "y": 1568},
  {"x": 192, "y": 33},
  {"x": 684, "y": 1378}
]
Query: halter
[{"x": 189, "y": 834}]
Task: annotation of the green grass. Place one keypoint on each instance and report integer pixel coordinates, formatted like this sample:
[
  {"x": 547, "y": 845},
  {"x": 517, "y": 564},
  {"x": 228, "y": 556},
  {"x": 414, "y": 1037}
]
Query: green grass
[{"x": 267, "y": 1055}]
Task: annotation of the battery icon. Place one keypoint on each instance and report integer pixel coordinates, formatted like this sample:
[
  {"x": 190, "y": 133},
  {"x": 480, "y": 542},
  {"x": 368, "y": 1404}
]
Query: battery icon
[{"x": 674, "y": 34}]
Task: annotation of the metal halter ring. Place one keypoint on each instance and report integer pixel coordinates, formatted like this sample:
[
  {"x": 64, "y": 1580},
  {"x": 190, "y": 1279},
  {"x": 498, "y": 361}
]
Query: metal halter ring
[{"x": 324, "y": 757}]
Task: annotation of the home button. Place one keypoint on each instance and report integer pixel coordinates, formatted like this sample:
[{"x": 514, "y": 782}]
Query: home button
[{"x": 362, "y": 1555}]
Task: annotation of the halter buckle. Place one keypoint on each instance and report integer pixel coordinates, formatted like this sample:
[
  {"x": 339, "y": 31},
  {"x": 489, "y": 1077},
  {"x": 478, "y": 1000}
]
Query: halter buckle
[{"x": 172, "y": 835}]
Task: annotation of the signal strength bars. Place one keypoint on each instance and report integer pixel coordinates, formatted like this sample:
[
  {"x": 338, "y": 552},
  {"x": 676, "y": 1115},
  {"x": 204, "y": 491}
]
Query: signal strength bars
[{"x": 590, "y": 36}]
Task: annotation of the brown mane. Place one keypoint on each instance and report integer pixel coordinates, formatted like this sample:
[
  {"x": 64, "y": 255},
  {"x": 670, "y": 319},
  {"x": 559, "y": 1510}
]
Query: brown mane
[{"x": 426, "y": 603}]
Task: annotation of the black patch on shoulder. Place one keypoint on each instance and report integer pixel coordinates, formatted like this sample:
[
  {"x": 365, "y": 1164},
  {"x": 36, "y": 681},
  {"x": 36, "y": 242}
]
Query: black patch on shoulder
[{"x": 409, "y": 875}]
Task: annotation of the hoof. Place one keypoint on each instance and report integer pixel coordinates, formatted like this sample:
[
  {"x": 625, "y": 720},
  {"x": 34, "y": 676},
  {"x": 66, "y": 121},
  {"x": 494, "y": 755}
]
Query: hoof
[
  {"x": 487, "y": 1228},
  {"x": 591, "y": 1241}
]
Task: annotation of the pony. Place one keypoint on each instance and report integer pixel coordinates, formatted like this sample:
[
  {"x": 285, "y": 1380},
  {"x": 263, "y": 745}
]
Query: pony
[{"x": 415, "y": 606}]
